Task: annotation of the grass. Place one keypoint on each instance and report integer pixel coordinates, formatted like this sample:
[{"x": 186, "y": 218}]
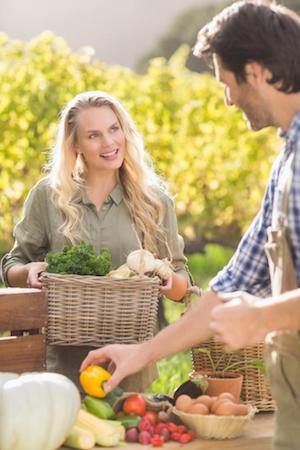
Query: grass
[{"x": 174, "y": 370}]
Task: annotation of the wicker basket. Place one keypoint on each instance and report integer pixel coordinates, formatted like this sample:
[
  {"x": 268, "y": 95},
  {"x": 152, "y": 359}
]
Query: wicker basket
[
  {"x": 255, "y": 387},
  {"x": 90, "y": 310},
  {"x": 216, "y": 427}
]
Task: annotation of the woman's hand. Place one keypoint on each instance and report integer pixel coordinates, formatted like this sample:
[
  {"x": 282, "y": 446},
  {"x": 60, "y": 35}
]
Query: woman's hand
[
  {"x": 175, "y": 288},
  {"x": 34, "y": 270},
  {"x": 166, "y": 286}
]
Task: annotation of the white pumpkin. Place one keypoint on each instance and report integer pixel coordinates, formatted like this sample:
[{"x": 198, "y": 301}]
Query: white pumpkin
[{"x": 37, "y": 410}]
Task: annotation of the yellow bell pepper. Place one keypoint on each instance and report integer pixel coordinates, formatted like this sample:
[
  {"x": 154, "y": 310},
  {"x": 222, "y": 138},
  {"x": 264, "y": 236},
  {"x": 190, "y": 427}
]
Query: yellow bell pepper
[{"x": 92, "y": 379}]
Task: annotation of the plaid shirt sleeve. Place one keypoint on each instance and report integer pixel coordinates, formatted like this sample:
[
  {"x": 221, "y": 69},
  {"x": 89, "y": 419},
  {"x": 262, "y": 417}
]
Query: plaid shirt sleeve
[{"x": 248, "y": 268}]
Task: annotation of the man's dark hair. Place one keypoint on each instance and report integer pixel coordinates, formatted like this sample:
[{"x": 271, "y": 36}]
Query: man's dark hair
[{"x": 258, "y": 31}]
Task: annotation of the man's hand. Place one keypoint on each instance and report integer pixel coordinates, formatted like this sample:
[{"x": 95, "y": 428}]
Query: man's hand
[
  {"x": 123, "y": 360},
  {"x": 237, "y": 322}
]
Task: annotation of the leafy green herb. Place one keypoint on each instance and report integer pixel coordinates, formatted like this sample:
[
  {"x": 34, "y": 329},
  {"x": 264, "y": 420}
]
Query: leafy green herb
[{"x": 79, "y": 260}]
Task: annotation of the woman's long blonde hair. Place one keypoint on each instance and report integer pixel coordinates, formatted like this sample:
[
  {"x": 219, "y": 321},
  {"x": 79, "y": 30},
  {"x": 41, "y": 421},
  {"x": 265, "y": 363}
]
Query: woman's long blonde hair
[{"x": 142, "y": 187}]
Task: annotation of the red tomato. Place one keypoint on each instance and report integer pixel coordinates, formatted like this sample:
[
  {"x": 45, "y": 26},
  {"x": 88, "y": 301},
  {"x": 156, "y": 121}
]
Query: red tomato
[
  {"x": 157, "y": 441},
  {"x": 135, "y": 404},
  {"x": 151, "y": 415},
  {"x": 185, "y": 438}
]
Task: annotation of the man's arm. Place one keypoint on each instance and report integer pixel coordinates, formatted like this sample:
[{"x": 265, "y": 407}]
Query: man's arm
[
  {"x": 192, "y": 328},
  {"x": 244, "y": 320}
]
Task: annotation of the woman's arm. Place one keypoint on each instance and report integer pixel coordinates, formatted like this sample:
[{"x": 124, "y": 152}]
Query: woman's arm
[
  {"x": 26, "y": 275},
  {"x": 22, "y": 265}
]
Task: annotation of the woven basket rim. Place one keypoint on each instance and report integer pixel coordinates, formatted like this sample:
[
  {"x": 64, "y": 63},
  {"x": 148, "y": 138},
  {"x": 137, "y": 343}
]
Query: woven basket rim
[
  {"x": 97, "y": 278},
  {"x": 251, "y": 411}
]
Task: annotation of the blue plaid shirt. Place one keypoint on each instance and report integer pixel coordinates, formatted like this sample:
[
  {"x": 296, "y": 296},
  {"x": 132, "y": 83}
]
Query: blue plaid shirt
[{"x": 248, "y": 268}]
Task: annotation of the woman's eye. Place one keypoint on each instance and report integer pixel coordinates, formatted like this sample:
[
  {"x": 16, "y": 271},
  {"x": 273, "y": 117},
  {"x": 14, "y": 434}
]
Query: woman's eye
[
  {"x": 92, "y": 136},
  {"x": 114, "y": 129}
]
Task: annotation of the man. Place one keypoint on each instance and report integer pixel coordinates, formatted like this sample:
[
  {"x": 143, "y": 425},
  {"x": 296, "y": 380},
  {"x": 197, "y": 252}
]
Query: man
[{"x": 255, "y": 51}]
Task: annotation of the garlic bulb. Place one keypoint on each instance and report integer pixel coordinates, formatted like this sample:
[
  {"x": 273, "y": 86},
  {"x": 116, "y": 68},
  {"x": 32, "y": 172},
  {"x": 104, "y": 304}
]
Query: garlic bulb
[
  {"x": 163, "y": 269},
  {"x": 121, "y": 272},
  {"x": 141, "y": 261}
]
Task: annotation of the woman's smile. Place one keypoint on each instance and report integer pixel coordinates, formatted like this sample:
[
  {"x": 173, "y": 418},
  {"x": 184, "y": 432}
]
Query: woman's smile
[{"x": 111, "y": 155}]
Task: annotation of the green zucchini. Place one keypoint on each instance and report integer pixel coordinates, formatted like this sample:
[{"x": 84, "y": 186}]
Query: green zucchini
[
  {"x": 129, "y": 421},
  {"x": 98, "y": 407}
]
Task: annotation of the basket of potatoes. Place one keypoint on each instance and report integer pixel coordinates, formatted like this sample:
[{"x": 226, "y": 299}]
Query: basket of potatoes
[{"x": 220, "y": 417}]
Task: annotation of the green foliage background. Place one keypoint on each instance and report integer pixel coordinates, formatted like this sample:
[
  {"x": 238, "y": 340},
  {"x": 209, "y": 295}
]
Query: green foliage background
[{"x": 215, "y": 166}]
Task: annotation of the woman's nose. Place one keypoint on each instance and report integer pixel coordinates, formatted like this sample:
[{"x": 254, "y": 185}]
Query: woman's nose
[{"x": 107, "y": 140}]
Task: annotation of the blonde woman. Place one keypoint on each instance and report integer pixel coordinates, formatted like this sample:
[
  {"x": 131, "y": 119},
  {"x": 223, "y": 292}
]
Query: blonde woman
[{"x": 101, "y": 189}]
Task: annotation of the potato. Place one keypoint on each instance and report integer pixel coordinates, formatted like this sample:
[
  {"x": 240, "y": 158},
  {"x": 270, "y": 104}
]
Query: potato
[
  {"x": 226, "y": 408},
  {"x": 242, "y": 410},
  {"x": 227, "y": 395},
  {"x": 183, "y": 402},
  {"x": 198, "y": 408},
  {"x": 205, "y": 400},
  {"x": 216, "y": 404}
]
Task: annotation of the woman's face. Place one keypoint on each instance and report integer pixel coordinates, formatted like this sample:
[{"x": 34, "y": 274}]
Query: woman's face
[{"x": 100, "y": 139}]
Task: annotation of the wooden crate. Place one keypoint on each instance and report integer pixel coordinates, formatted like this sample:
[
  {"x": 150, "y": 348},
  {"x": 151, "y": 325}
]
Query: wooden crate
[{"x": 23, "y": 312}]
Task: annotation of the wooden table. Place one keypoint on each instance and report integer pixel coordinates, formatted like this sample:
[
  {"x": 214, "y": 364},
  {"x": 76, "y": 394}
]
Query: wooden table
[{"x": 257, "y": 436}]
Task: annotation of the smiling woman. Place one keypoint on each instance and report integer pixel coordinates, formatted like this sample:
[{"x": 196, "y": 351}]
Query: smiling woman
[{"x": 100, "y": 189}]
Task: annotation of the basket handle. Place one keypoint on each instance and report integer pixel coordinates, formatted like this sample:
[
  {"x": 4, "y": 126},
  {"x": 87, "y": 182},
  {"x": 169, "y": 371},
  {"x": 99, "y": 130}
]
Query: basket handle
[{"x": 187, "y": 299}]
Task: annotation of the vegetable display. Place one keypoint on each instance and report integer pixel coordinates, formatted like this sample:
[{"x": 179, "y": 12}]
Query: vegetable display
[
  {"x": 79, "y": 259},
  {"x": 38, "y": 410},
  {"x": 92, "y": 379},
  {"x": 147, "y": 426}
]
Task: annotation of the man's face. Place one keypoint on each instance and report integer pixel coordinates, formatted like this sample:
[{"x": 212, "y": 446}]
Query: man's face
[{"x": 244, "y": 95}]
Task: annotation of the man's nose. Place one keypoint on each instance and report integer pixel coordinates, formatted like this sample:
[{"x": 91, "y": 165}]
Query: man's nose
[{"x": 227, "y": 97}]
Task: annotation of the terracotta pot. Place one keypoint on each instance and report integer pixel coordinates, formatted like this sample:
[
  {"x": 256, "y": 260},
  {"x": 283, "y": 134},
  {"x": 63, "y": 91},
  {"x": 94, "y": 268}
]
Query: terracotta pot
[{"x": 219, "y": 382}]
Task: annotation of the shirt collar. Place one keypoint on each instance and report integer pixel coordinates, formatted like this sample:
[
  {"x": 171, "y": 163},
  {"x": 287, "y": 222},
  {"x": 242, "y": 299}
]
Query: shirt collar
[
  {"x": 293, "y": 132},
  {"x": 116, "y": 196}
]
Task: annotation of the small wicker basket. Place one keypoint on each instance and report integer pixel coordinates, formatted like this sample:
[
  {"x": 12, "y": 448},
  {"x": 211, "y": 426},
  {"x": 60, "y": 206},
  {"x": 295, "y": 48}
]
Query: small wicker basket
[
  {"x": 95, "y": 311},
  {"x": 215, "y": 427},
  {"x": 255, "y": 387}
]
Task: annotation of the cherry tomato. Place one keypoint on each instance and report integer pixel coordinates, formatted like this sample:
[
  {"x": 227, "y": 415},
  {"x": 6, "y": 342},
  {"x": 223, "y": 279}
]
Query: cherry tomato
[
  {"x": 171, "y": 426},
  {"x": 175, "y": 436},
  {"x": 135, "y": 404},
  {"x": 181, "y": 429},
  {"x": 159, "y": 426},
  {"x": 157, "y": 440},
  {"x": 152, "y": 416},
  {"x": 184, "y": 438}
]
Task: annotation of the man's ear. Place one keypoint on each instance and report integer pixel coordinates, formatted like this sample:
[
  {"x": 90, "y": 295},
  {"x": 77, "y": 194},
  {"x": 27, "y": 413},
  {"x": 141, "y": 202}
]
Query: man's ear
[{"x": 257, "y": 73}]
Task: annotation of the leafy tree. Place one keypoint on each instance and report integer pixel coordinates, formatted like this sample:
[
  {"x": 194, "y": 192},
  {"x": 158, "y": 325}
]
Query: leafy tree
[
  {"x": 215, "y": 166},
  {"x": 184, "y": 31}
]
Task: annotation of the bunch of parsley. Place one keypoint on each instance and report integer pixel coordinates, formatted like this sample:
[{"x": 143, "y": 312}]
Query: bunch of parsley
[{"x": 79, "y": 260}]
